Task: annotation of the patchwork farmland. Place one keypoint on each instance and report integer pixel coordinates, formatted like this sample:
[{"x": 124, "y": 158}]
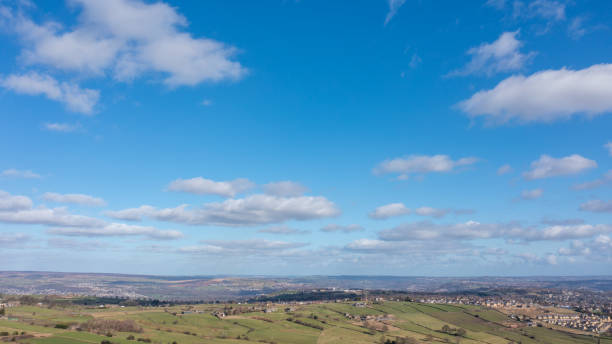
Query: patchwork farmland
[{"x": 296, "y": 323}]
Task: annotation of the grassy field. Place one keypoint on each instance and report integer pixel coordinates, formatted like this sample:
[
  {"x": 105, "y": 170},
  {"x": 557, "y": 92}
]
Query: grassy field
[{"x": 320, "y": 323}]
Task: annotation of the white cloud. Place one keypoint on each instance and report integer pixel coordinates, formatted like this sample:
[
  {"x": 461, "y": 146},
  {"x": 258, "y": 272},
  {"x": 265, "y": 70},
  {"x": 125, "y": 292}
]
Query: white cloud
[
  {"x": 502, "y": 55},
  {"x": 14, "y": 173},
  {"x": 128, "y": 38},
  {"x": 342, "y": 228},
  {"x": 605, "y": 179},
  {"x": 255, "y": 244},
  {"x": 20, "y": 210},
  {"x": 268, "y": 209},
  {"x": 369, "y": 245},
  {"x": 285, "y": 188},
  {"x": 411, "y": 249},
  {"x": 283, "y": 230},
  {"x": 75, "y": 98},
  {"x": 74, "y": 199},
  {"x": 118, "y": 229},
  {"x": 597, "y": 206},
  {"x": 433, "y": 212},
  {"x": 61, "y": 127},
  {"x": 394, "y": 6},
  {"x": 608, "y": 146},
  {"x": 565, "y": 232},
  {"x": 398, "y": 209},
  {"x": 547, "y": 166},
  {"x": 422, "y": 164},
  {"x": 252, "y": 210},
  {"x": 9, "y": 202},
  {"x": 504, "y": 169},
  {"x": 545, "y": 96},
  {"x": 49, "y": 217},
  {"x": 389, "y": 210},
  {"x": 82, "y": 50},
  {"x": 603, "y": 239},
  {"x": 430, "y": 231},
  {"x": 202, "y": 186},
  {"x": 132, "y": 214},
  {"x": 242, "y": 247},
  {"x": 469, "y": 230},
  {"x": 531, "y": 194}
]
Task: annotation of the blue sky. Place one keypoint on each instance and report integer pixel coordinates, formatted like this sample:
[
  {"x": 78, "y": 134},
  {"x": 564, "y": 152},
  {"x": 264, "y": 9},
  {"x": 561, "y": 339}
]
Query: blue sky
[{"x": 306, "y": 137}]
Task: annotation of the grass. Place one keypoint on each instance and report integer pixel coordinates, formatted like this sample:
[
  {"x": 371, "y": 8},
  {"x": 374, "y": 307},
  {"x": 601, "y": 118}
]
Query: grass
[{"x": 322, "y": 323}]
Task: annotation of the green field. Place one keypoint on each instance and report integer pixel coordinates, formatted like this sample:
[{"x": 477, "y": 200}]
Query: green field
[{"x": 319, "y": 323}]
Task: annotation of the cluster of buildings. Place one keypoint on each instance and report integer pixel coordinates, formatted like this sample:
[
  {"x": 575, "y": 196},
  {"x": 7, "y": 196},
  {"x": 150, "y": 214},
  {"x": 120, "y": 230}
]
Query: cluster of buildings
[
  {"x": 580, "y": 321},
  {"x": 586, "y": 302},
  {"x": 8, "y": 304},
  {"x": 379, "y": 318},
  {"x": 592, "y": 311}
]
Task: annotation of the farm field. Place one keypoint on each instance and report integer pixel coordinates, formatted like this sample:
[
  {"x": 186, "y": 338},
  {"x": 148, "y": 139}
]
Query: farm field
[{"x": 316, "y": 323}]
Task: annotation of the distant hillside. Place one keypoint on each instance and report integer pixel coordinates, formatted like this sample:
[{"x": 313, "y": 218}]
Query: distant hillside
[{"x": 209, "y": 288}]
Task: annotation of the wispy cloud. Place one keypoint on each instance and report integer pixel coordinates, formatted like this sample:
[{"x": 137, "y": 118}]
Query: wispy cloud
[
  {"x": 504, "y": 169},
  {"x": 545, "y": 9},
  {"x": 597, "y": 206},
  {"x": 532, "y": 194},
  {"x": 394, "y": 6},
  {"x": 61, "y": 127},
  {"x": 118, "y": 229},
  {"x": 422, "y": 164},
  {"x": 498, "y": 4},
  {"x": 605, "y": 179},
  {"x": 502, "y": 55},
  {"x": 433, "y": 212},
  {"x": 13, "y": 240},
  {"x": 342, "y": 228},
  {"x": 247, "y": 247},
  {"x": 284, "y": 230},
  {"x": 15, "y": 173},
  {"x": 74, "y": 199}
]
